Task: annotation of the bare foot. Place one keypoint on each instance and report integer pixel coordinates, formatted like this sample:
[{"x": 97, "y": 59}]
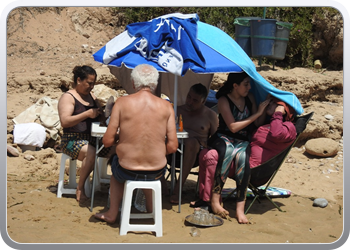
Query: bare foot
[
  {"x": 105, "y": 217},
  {"x": 80, "y": 196},
  {"x": 220, "y": 211},
  {"x": 241, "y": 218}
]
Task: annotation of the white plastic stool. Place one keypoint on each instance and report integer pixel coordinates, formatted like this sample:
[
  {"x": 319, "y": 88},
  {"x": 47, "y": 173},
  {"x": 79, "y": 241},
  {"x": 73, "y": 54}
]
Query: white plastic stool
[
  {"x": 72, "y": 183},
  {"x": 126, "y": 214}
]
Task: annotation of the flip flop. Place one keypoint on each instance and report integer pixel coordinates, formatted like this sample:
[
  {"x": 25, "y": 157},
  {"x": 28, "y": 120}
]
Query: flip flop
[
  {"x": 202, "y": 204},
  {"x": 199, "y": 203},
  {"x": 175, "y": 202}
]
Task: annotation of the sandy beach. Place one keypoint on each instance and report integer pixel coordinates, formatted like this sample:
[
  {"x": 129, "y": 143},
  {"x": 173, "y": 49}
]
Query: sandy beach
[{"x": 36, "y": 215}]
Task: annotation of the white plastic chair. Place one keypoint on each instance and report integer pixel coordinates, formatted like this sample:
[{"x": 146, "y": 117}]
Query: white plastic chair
[
  {"x": 71, "y": 187},
  {"x": 126, "y": 214}
]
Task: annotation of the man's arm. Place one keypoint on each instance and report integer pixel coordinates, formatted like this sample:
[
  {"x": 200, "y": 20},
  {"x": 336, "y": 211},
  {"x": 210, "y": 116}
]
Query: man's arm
[{"x": 171, "y": 142}]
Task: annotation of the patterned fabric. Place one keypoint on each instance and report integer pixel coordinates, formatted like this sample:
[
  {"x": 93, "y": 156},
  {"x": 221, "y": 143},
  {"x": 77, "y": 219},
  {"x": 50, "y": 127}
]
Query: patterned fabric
[
  {"x": 71, "y": 144},
  {"x": 235, "y": 151}
]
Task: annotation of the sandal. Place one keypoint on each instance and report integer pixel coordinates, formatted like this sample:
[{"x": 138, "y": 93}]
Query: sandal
[
  {"x": 202, "y": 204},
  {"x": 199, "y": 203}
]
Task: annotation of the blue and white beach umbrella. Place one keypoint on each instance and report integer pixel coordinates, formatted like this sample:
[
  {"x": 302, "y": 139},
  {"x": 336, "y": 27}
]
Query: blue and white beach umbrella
[{"x": 186, "y": 51}]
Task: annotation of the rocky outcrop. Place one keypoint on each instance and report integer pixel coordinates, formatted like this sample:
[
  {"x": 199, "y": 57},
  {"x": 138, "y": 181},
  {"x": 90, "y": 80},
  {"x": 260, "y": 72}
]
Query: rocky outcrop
[{"x": 328, "y": 39}]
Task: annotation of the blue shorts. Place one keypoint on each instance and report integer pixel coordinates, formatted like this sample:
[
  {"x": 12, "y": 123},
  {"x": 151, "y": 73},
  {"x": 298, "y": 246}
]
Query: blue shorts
[{"x": 121, "y": 174}]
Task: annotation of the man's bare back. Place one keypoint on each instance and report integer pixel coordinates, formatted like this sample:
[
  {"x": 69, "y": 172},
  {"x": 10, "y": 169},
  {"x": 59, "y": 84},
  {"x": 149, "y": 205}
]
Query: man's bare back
[
  {"x": 145, "y": 121},
  {"x": 142, "y": 126}
]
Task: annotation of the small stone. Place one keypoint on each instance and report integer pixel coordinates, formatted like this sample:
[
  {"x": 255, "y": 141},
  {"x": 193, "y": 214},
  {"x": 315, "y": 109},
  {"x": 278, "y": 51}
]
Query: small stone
[
  {"x": 29, "y": 157},
  {"x": 320, "y": 202},
  {"x": 329, "y": 117}
]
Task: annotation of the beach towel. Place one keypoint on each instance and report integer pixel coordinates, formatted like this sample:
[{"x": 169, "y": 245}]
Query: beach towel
[
  {"x": 45, "y": 110},
  {"x": 31, "y": 134}
]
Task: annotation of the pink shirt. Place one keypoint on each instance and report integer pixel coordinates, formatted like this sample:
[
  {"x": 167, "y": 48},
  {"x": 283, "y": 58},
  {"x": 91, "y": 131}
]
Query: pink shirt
[{"x": 270, "y": 139}]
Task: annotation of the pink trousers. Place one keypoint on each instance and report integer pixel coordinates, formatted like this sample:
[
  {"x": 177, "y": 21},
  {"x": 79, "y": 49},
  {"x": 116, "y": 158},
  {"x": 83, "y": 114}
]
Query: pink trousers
[{"x": 208, "y": 160}]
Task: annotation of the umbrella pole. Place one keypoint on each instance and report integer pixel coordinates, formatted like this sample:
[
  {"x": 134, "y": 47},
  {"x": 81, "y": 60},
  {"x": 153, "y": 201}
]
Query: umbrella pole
[
  {"x": 174, "y": 155},
  {"x": 175, "y": 96},
  {"x": 180, "y": 176}
]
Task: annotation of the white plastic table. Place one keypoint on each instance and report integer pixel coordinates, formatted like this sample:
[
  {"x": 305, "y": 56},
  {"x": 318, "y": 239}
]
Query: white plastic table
[{"x": 98, "y": 132}]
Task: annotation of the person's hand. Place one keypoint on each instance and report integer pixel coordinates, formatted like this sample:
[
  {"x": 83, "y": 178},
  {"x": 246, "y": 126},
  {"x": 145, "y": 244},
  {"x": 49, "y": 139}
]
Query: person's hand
[
  {"x": 262, "y": 106},
  {"x": 93, "y": 113},
  {"x": 281, "y": 109}
]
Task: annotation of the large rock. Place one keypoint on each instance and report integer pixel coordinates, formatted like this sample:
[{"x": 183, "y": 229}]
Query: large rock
[
  {"x": 103, "y": 93},
  {"x": 323, "y": 147}
]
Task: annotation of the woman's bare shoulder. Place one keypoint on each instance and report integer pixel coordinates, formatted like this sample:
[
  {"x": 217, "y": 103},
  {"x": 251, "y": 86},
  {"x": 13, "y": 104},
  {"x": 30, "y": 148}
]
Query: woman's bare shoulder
[{"x": 67, "y": 96}]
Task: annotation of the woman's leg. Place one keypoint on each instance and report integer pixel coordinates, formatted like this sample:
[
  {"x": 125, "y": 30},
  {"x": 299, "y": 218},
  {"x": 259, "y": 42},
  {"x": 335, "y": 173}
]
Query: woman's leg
[
  {"x": 224, "y": 149},
  {"x": 242, "y": 177},
  {"x": 207, "y": 166},
  {"x": 87, "y": 156},
  {"x": 208, "y": 160}
]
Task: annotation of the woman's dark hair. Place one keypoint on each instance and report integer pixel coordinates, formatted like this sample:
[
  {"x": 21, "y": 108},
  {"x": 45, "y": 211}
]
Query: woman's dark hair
[
  {"x": 228, "y": 85},
  {"x": 200, "y": 89},
  {"x": 82, "y": 72}
]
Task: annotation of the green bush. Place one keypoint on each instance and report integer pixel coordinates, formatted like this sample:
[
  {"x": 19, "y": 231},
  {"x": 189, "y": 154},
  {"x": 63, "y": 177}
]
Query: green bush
[{"x": 299, "y": 50}]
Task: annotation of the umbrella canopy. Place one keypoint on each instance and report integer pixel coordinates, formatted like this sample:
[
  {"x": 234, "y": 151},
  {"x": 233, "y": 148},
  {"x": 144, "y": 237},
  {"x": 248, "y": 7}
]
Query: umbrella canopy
[{"x": 186, "y": 51}]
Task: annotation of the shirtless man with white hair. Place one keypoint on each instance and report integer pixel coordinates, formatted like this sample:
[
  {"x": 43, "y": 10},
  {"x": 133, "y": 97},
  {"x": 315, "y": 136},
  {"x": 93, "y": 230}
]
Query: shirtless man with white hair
[{"x": 147, "y": 133}]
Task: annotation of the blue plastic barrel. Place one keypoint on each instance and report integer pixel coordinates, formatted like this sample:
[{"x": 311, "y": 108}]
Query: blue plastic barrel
[
  {"x": 262, "y": 37},
  {"x": 242, "y": 33}
]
